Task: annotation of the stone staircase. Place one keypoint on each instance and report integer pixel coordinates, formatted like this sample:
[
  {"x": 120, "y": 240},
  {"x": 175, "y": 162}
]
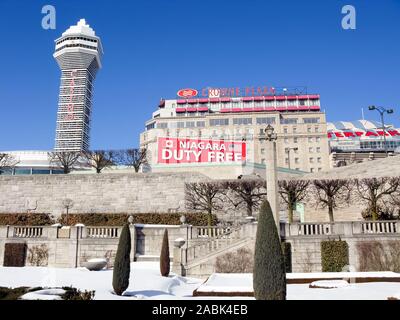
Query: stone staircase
[{"x": 197, "y": 258}]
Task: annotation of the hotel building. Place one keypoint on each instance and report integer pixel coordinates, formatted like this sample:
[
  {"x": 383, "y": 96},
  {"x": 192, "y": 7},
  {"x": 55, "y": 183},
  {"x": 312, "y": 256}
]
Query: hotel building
[{"x": 301, "y": 126}]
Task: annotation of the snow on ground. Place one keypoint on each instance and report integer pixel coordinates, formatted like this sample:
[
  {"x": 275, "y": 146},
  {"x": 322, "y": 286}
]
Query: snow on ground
[
  {"x": 329, "y": 284},
  {"x": 146, "y": 283}
]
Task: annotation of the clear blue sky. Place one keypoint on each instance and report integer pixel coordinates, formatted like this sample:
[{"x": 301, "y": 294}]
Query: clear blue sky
[{"x": 154, "y": 48}]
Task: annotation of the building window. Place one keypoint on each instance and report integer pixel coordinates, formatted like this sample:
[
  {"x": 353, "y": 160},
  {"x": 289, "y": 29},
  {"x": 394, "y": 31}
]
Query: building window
[
  {"x": 287, "y": 160},
  {"x": 312, "y": 170},
  {"x": 319, "y": 159},
  {"x": 296, "y": 160},
  {"x": 294, "y": 130},
  {"x": 310, "y": 149},
  {"x": 319, "y": 169},
  {"x": 263, "y": 161},
  {"x": 219, "y": 122},
  {"x": 311, "y": 120},
  {"x": 298, "y": 169},
  {"x": 162, "y": 125},
  {"x": 265, "y": 120},
  {"x": 295, "y": 140},
  {"x": 311, "y": 160},
  {"x": 309, "y": 129},
  {"x": 263, "y": 151},
  {"x": 289, "y": 121},
  {"x": 242, "y": 121},
  {"x": 285, "y": 130},
  {"x": 190, "y": 124},
  {"x": 200, "y": 124},
  {"x": 286, "y": 140},
  {"x": 318, "y": 139},
  {"x": 309, "y": 139},
  {"x": 316, "y": 129},
  {"x": 318, "y": 149},
  {"x": 181, "y": 124}
]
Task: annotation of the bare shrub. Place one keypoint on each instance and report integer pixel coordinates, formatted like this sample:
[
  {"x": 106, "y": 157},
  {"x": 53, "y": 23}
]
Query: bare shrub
[
  {"x": 38, "y": 255},
  {"x": 240, "y": 261},
  {"x": 379, "y": 256}
]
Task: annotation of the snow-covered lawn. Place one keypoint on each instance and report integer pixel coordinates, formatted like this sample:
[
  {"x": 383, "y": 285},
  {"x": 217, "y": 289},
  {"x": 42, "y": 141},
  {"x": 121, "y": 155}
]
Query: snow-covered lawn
[{"x": 146, "y": 283}]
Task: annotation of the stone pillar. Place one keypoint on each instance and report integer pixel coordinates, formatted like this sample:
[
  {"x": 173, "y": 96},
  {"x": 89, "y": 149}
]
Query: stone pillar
[{"x": 272, "y": 181}]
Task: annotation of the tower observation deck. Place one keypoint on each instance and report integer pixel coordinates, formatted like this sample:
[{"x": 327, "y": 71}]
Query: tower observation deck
[{"x": 78, "y": 53}]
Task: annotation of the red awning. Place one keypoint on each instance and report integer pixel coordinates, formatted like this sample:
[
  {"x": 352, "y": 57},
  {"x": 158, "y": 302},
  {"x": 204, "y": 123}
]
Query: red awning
[
  {"x": 292, "y": 108},
  {"x": 247, "y": 99},
  {"x": 292, "y": 97},
  {"x": 280, "y": 97},
  {"x": 281, "y": 108},
  {"x": 258, "y": 98},
  {"x": 181, "y": 102},
  {"x": 270, "y": 109},
  {"x": 269, "y": 97},
  {"x": 191, "y": 101},
  {"x": 180, "y": 110},
  {"x": 225, "y": 99},
  {"x": 203, "y": 100},
  {"x": 315, "y": 108},
  {"x": 302, "y": 108},
  {"x": 303, "y": 97},
  {"x": 247, "y": 109},
  {"x": 236, "y": 109},
  {"x": 202, "y": 109},
  {"x": 314, "y": 96},
  {"x": 225, "y": 110},
  {"x": 191, "y": 109},
  {"x": 259, "y": 109}
]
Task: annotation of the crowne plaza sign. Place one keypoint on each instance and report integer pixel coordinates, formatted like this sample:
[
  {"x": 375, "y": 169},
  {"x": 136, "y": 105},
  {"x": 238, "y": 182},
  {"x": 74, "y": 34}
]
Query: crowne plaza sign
[
  {"x": 361, "y": 134},
  {"x": 226, "y": 92}
]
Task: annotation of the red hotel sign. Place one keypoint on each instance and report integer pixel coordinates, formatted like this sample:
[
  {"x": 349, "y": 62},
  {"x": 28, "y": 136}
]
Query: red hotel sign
[
  {"x": 226, "y": 92},
  {"x": 175, "y": 150},
  {"x": 187, "y": 93}
]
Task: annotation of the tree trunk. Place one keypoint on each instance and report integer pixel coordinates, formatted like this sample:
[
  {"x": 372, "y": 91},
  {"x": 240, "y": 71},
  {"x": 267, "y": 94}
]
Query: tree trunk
[
  {"x": 290, "y": 213},
  {"x": 249, "y": 210},
  {"x": 209, "y": 218},
  {"x": 330, "y": 211}
]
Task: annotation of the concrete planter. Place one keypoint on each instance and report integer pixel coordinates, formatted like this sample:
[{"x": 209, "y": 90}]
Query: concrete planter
[{"x": 95, "y": 264}]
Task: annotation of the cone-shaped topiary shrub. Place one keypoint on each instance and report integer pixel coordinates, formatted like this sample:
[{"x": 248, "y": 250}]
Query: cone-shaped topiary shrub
[
  {"x": 269, "y": 278},
  {"x": 164, "y": 256},
  {"x": 122, "y": 262}
]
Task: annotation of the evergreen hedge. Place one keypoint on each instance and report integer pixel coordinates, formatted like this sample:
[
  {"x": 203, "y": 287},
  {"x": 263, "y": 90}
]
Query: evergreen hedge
[
  {"x": 119, "y": 219},
  {"x": 269, "y": 277},
  {"x": 122, "y": 262},
  {"x": 26, "y": 219},
  {"x": 334, "y": 255},
  {"x": 287, "y": 256},
  {"x": 164, "y": 256}
]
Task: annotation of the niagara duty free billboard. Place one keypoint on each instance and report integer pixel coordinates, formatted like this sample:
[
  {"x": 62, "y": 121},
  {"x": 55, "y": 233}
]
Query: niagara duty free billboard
[{"x": 181, "y": 150}]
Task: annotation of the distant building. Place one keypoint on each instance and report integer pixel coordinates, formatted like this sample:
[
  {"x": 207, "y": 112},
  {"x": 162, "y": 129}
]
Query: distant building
[
  {"x": 78, "y": 53},
  {"x": 361, "y": 140},
  {"x": 236, "y": 116}
]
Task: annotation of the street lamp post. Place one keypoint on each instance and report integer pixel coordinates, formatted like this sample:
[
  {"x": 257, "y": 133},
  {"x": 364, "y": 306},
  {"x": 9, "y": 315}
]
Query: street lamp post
[
  {"x": 270, "y": 137},
  {"x": 288, "y": 154},
  {"x": 382, "y": 111}
]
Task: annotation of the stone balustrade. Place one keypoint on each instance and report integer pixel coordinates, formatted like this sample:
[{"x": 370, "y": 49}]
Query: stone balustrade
[
  {"x": 346, "y": 229},
  {"x": 103, "y": 232}
]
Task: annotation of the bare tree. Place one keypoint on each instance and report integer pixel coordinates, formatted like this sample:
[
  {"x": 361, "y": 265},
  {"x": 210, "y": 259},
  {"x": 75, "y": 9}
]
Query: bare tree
[
  {"x": 204, "y": 196},
  {"x": 249, "y": 192},
  {"x": 7, "y": 162},
  {"x": 67, "y": 204},
  {"x": 65, "y": 160},
  {"x": 375, "y": 190},
  {"x": 291, "y": 192},
  {"x": 332, "y": 194},
  {"x": 100, "y": 159},
  {"x": 133, "y": 157}
]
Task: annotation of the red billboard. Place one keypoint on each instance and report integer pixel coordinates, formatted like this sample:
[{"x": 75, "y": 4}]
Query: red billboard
[{"x": 182, "y": 150}]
